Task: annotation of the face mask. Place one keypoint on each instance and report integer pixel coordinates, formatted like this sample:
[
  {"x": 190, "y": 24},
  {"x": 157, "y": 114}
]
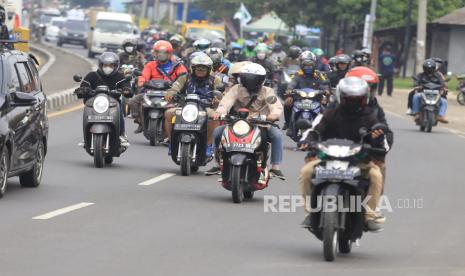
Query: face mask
[
  {"x": 261, "y": 56},
  {"x": 107, "y": 70},
  {"x": 162, "y": 56},
  {"x": 129, "y": 49}
]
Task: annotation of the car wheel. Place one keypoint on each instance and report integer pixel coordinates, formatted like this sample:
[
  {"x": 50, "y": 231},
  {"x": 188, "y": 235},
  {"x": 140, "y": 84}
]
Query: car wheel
[
  {"x": 33, "y": 177},
  {"x": 4, "y": 167}
]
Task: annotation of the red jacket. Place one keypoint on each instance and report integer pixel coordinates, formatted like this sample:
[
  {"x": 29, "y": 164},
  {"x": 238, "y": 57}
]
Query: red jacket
[{"x": 151, "y": 72}]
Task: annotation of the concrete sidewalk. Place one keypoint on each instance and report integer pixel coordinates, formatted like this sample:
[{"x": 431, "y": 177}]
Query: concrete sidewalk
[{"x": 398, "y": 104}]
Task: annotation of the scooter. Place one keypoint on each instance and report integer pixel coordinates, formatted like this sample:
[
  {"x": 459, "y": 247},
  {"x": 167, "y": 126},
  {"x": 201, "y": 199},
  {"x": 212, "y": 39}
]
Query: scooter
[
  {"x": 154, "y": 107},
  {"x": 101, "y": 123}
]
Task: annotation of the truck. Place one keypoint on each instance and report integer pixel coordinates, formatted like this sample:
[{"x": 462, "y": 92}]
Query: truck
[
  {"x": 108, "y": 30},
  {"x": 202, "y": 29}
]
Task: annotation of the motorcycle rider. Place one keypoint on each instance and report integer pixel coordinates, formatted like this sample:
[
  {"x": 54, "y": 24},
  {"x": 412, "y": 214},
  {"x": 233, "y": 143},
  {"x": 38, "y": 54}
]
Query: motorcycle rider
[
  {"x": 162, "y": 68},
  {"x": 107, "y": 74},
  {"x": 177, "y": 41},
  {"x": 321, "y": 61},
  {"x": 261, "y": 57},
  {"x": 220, "y": 64},
  {"x": 344, "y": 122},
  {"x": 202, "y": 82},
  {"x": 359, "y": 58},
  {"x": 278, "y": 55},
  {"x": 249, "y": 50},
  {"x": 130, "y": 55},
  {"x": 202, "y": 44},
  {"x": 293, "y": 58},
  {"x": 236, "y": 54},
  {"x": 252, "y": 94},
  {"x": 307, "y": 77},
  {"x": 430, "y": 74},
  {"x": 332, "y": 63},
  {"x": 341, "y": 66}
]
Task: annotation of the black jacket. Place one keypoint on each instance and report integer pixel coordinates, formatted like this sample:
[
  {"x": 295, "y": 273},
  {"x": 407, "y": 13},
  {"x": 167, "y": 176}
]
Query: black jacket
[
  {"x": 338, "y": 124},
  {"x": 317, "y": 81},
  {"x": 95, "y": 79},
  {"x": 335, "y": 76}
]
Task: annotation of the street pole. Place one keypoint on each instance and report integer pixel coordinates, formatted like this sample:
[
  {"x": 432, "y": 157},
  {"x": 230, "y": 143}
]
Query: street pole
[
  {"x": 143, "y": 11},
  {"x": 157, "y": 11},
  {"x": 372, "y": 24},
  {"x": 421, "y": 34},
  {"x": 407, "y": 38},
  {"x": 185, "y": 10}
]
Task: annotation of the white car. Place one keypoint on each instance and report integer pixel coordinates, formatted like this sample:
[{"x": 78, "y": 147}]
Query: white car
[{"x": 53, "y": 28}]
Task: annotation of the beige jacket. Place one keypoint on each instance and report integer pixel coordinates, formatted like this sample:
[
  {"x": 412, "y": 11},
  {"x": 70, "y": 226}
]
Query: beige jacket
[{"x": 238, "y": 97}]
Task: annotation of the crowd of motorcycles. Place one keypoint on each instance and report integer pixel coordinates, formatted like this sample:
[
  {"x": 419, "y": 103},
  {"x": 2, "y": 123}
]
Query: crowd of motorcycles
[{"x": 242, "y": 152}]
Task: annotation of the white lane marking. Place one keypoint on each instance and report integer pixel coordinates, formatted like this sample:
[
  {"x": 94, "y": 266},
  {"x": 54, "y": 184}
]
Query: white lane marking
[
  {"x": 64, "y": 210},
  {"x": 156, "y": 179}
]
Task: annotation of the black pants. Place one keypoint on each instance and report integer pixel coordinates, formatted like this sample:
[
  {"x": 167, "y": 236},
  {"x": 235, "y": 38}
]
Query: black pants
[
  {"x": 287, "y": 114},
  {"x": 389, "y": 78}
]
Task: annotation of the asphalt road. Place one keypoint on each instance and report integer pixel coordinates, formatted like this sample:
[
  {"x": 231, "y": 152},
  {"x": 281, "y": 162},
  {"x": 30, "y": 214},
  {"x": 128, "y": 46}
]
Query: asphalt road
[{"x": 189, "y": 226}]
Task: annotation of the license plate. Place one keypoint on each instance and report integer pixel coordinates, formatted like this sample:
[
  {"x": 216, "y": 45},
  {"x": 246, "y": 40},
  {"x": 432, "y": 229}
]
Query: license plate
[
  {"x": 99, "y": 118},
  {"x": 248, "y": 148},
  {"x": 187, "y": 127},
  {"x": 334, "y": 174}
]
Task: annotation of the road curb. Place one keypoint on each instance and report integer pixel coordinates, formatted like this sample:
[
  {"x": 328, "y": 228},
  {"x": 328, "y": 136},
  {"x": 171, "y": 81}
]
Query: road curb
[
  {"x": 65, "y": 97},
  {"x": 51, "y": 58}
]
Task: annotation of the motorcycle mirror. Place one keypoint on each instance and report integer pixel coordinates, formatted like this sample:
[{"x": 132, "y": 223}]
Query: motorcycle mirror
[
  {"x": 218, "y": 94},
  {"x": 77, "y": 78},
  {"x": 271, "y": 99},
  {"x": 363, "y": 131}
]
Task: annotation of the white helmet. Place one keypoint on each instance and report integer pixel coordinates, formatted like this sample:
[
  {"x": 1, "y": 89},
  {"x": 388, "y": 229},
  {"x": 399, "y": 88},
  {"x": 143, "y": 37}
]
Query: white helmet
[{"x": 252, "y": 77}]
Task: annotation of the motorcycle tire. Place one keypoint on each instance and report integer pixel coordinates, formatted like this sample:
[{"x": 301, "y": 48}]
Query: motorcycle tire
[
  {"x": 99, "y": 150},
  {"x": 236, "y": 185},
  {"x": 461, "y": 98},
  {"x": 330, "y": 235},
  {"x": 248, "y": 194},
  {"x": 345, "y": 245},
  {"x": 154, "y": 132},
  {"x": 185, "y": 159},
  {"x": 429, "y": 121}
]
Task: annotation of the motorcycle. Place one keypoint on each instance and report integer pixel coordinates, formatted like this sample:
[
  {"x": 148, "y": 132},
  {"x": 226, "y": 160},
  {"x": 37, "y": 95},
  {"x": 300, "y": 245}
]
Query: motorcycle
[
  {"x": 189, "y": 135},
  {"x": 306, "y": 107},
  {"x": 243, "y": 155},
  {"x": 287, "y": 74},
  {"x": 129, "y": 70},
  {"x": 461, "y": 93},
  {"x": 335, "y": 220},
  {"x": 429, "y": 105},
  {"x": 101, "y": 123},
  {"x": 154, "y": 107}
]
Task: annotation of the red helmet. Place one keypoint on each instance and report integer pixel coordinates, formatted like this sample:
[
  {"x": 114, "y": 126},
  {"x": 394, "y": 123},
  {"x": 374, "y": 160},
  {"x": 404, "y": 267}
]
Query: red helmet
[
  {"x": 163, "y": 45},
  {"x": 163, "y": 50},
  {"x": 366, "y": 74}
]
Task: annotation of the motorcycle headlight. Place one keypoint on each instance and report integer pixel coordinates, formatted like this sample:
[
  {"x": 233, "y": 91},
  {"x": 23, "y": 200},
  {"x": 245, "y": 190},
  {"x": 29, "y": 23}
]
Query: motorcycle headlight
[
  {"x": 101, "y": 104},
  {"x": 311, "y": 94},
  {"x": 303, "y": 94},
  {"x": 190, "y": 113},
  {"x": 241, "y": 128}
]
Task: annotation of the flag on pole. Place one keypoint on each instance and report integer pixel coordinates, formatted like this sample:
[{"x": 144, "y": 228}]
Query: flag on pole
[{"x": 243, "y": 15}]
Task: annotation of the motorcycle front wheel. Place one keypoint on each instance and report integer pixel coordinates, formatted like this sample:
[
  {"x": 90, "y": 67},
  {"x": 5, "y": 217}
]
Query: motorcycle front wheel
[
  {"x": 461, "y": 98},
  {"x": 236, "y": 185},
  {"x": 185, "y": 159},
  {"x": 99, "y": 150},
  {"x": 330, "y": 235},
  {"x": 155, "y": 131}
]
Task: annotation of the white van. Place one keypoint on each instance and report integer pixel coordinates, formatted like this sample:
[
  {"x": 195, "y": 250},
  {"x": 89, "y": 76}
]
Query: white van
[{"x": 108, "y": 31}]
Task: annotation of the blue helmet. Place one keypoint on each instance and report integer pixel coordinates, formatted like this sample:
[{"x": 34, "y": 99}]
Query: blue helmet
[{"x": 236, "y": 45}]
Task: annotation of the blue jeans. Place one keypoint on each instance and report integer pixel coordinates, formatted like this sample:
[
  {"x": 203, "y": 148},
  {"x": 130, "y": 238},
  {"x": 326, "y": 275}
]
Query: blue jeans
[
  {"x": 275, "y": 136},
  {"x": 417, "y": 101}
]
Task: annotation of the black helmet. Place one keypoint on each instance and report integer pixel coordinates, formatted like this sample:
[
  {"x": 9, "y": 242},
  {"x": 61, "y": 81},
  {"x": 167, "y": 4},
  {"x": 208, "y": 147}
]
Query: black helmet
[
  {"x": 277, "y": 47},
  {"x": 250, "y": 45},
  {"x": 358, "y": 56},
  {"x": 219, "y": 43},
  {"x": 294, "y": 51},
  {"x": 342, "y": 59},
  {"x": 429, "y": 66},
  {"x": 129, "y": 45},
  {"x": 108, "y": 58},
  {"x": 252, "y": 77}
]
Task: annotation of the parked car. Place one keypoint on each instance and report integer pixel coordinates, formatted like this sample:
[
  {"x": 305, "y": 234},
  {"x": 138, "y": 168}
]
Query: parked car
[
  {"x": 23, "y": 120},
  {"x": 53, "y": 29},
  {"x": 74, "y": 31}
]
